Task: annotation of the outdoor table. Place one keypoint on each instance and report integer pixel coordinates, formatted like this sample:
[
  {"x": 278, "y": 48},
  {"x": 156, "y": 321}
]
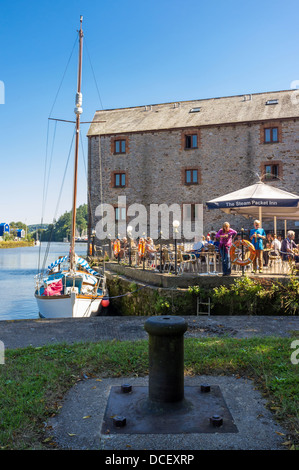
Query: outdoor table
[{"x": 208, "y": 256}]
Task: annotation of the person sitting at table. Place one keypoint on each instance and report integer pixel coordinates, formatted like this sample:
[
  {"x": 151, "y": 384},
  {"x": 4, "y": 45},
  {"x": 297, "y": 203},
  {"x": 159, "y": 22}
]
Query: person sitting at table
[
  {"x": 256, "y": 236},
  {"x": 150, "y": 248},
  {"x": 204, "y": 241},
  {"x": 275, "y": 246},
  {"x": 197, "y": 246},
  {"x": 267, "y": 248},
  {"x": 195, "y": 249},
  {"x": 226, "y": 235},
  {"x": 288, "y": 246},
  {"x": 123, "y": 247},
  {"x": 215, "y": 240}
]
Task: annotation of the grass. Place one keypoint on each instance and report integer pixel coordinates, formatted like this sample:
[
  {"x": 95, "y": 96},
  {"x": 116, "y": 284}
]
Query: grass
[
  {"x": 34, "y": 380},
  {"x": 15, "y": 244}
]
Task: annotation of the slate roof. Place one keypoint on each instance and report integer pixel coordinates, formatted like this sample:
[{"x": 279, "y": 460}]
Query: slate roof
[{"x": 206, "y": 112}]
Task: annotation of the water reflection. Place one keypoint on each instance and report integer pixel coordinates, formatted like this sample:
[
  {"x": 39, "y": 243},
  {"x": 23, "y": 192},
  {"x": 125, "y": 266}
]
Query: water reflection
[{"x": 18, "y": 266}]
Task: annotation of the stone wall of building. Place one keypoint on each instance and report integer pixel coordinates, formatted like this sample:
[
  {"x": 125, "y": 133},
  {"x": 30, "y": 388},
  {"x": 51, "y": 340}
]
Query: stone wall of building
[{"x": 227, "y": 158}]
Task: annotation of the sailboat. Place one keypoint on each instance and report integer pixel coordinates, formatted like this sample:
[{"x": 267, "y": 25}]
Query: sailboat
[{"x": 71, "y": 288}]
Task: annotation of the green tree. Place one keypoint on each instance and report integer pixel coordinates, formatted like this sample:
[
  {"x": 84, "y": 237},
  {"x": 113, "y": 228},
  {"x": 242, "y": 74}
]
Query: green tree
[{"x": 61, "y": 228}]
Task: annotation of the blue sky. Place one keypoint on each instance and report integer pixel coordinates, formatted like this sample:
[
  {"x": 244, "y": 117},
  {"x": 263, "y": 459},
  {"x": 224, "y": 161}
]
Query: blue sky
[{"x": 140, "y": 52}]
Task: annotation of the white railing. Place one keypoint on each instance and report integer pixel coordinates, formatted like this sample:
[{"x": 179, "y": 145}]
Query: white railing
[{"x": 205, "y": 263}]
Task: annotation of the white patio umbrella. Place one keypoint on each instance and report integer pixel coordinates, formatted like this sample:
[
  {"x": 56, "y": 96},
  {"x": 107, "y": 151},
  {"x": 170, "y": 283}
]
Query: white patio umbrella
[{"x": 260, "y": 201}]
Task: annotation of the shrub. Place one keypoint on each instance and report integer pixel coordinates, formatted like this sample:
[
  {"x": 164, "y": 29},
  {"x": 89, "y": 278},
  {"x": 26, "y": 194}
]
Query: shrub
[{"x": 250, "y": 296}]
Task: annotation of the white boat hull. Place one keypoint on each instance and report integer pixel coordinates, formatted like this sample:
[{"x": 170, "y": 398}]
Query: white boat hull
[{"x": 68, "y": 306}]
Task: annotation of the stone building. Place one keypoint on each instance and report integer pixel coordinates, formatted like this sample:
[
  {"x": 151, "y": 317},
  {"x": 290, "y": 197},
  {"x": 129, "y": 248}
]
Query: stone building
[{"x": 192, "y": 151}]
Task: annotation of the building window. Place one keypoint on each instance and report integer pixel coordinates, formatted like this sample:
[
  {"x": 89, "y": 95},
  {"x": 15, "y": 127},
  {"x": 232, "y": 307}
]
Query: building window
[
  {"x": 119, "y": 146},
  {"x": 190, "y": 214},
  {"x": 120, "y": 213},
  {"x": 191, "y": 141},
  {"x": 271, "y": 172},
  {"x": 119, "y": 180},
  {"x": 270, "y": 135},
  {"x": 191, "y": 176}
]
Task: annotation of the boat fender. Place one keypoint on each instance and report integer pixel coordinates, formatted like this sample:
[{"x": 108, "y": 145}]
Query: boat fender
[
  {"x": 141, "y": 247},
  {"x": 90, "y": 249},
  {"x": 237, "y": 245},
  {"x": 116, "y": 247},
  {"x": 105, "y": 302}
]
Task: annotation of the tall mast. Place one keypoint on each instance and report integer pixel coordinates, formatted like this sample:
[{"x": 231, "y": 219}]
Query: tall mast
[{"x": 78, "y": 112}]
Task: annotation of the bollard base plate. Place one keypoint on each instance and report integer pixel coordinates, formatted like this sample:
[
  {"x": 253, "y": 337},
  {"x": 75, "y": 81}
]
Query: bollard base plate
[{"x": 190, "y": 415}]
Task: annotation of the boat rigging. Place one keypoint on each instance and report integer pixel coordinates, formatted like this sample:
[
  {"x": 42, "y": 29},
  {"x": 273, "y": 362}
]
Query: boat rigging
[{"x": 72, "y": 288}]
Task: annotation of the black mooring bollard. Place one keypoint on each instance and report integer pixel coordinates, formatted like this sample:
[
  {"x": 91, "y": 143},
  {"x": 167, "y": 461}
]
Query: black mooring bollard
[
  {"x": 165, "y": 406},
  {"x": 166, "y": 358}
]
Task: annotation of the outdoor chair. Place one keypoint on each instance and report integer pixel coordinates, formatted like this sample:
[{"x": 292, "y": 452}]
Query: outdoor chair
[
  {"x": 186, "y": 260},
  {"x": 210, "y": 256},
  {"x": 275, "y": 263},
  {"x": 168, "y": 262}
]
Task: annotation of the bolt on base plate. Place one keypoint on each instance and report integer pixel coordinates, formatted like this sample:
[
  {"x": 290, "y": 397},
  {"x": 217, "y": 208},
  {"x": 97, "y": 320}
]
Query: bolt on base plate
[{"x": 194, "y": 414}]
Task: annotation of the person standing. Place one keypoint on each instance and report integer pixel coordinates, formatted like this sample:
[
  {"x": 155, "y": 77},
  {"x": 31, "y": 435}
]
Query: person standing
[
  {"x": 226, "y": 235},
  {"x": 257, "y": 235},
  {"x": 267, "y": 248},
  {"x": 287, "y": 247}
]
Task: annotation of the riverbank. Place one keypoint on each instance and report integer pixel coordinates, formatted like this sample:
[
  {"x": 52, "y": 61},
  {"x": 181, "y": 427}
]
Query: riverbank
[
  {"x": 13, "y": 244},
  {"x": 134, "y": 291}
]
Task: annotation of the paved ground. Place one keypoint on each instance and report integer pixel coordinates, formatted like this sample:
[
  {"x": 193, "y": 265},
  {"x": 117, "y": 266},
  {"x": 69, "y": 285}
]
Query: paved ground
[
  {"x": 22, "y": 333},
  {"x": 78, "y": 425}
]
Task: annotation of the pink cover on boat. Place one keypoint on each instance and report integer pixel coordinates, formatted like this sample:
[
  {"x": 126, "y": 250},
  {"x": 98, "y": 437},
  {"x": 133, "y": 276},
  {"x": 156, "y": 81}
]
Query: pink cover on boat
[{"x": 54, "y": 288}]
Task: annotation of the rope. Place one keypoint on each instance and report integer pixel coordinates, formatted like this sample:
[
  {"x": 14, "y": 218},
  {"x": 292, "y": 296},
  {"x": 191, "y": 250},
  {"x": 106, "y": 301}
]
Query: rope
[
  {"x": 101, "y": 177},
  {"x": 142, "y": 287},
  {"x": 55, "y": 99},
  {"x": 45, "y": 189},
  {"x": 50, "y": 165},
  {"x": 86, "y": 175},
  {"x": 85, "y": 42},
  {"x": 128, "y": 293},
  {"x": 56, "y": 210}
]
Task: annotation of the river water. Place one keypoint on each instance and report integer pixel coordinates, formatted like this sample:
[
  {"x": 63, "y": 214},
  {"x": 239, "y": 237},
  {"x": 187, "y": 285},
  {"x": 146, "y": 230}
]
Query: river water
[{"x": 18, "y": 266}]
